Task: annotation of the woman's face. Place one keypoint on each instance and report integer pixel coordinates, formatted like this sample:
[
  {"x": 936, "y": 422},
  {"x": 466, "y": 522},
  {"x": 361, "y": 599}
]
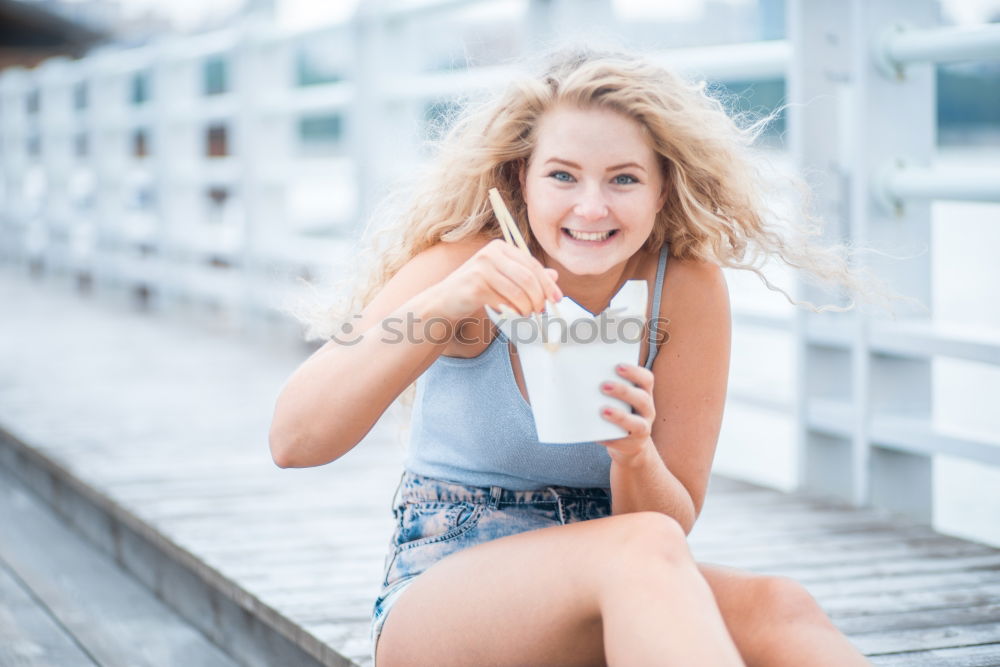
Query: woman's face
[{"x": 593, "y": 187}]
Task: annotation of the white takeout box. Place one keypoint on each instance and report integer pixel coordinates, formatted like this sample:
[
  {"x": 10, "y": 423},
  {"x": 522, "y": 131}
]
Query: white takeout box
[{"x": 564, "y": 383}]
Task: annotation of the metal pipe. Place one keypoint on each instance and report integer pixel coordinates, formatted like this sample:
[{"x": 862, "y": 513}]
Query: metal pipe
[
  {"x": 756, "y": 60},
  {"x": 944, "y": 45},
  {"x": 732, "y": 62},
  {"x": 398, "y": 11},
  {"x": 964, "y": 184}
]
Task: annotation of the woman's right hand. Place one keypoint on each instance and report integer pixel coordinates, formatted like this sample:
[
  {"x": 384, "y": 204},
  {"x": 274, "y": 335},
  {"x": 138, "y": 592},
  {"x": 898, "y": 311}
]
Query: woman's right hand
[{"x": 498, "y": 274}]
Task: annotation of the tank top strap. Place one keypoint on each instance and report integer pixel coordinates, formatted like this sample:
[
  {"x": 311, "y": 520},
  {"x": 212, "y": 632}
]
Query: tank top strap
[{"x": 655, "y": 312}]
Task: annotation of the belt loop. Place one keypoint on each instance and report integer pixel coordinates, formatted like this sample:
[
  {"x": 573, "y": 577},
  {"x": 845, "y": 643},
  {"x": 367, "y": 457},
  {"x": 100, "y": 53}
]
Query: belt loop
[
  {"x": 395, "y": 495},
  {"x": 559, "y": 505},
  {"x": 495, "y": 493}
]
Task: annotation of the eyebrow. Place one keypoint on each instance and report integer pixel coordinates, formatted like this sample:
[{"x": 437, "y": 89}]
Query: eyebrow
[{"x": 614, "y": 168}]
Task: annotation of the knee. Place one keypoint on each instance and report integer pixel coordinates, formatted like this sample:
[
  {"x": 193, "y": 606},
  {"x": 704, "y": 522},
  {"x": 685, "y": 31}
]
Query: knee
[
  {"x": 786, "y": 601},
  {"x": 650, "y": 535}
]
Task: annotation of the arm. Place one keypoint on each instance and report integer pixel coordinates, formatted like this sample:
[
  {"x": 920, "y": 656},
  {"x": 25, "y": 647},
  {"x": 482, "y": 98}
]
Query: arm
[
  {"x": 335, "y": 397},
  {"x": 668, "y": 471}
]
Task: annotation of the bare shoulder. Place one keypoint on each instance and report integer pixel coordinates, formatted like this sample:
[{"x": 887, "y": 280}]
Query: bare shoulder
[{"x": 694, "y": 286}]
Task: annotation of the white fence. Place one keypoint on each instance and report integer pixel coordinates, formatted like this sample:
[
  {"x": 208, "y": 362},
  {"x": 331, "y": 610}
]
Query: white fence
[{"x": 193, "y": 170}]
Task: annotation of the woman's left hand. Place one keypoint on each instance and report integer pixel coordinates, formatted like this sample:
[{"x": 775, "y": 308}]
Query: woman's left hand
[{"x": 637, "y": 392}]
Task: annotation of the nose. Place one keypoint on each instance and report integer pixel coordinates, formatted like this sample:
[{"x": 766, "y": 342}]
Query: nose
[{"x": 591, "y": 205}]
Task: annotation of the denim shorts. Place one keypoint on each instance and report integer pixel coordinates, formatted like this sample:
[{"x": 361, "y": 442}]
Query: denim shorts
[{"x": 435, "y": 518}]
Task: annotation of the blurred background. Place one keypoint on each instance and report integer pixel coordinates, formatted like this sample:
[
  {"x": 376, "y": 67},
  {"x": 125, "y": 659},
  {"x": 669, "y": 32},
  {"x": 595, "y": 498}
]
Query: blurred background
[{"x": 201, "y": 159}]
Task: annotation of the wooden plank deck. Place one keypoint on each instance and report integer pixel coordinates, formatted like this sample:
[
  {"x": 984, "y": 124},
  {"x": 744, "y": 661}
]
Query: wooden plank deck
[
  {"x": 160, "y": 429},
  {"x": 64, "y": 603}
]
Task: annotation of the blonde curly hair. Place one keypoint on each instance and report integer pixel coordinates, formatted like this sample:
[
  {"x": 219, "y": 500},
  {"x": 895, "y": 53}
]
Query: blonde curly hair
[{"x": 720, "y": 207}]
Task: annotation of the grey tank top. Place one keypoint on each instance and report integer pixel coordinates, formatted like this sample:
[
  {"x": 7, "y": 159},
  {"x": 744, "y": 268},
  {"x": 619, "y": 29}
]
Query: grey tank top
[{"x": 471, "y": 425}]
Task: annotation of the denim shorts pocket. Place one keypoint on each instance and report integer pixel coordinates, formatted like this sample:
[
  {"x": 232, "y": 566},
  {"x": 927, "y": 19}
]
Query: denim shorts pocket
[
  {"x": 435, "y": 525},
  {"x": 428, "y": 522}
]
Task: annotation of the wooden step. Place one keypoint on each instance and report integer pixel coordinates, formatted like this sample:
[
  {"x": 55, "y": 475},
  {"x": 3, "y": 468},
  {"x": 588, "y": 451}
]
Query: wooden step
[
  {"x": 247, "y": 629},
  {"x": 66, "y": 603}
]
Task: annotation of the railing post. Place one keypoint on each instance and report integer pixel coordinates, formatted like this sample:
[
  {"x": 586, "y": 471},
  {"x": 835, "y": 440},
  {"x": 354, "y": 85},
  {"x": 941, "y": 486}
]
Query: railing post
[
  {"x": 169, "y": 157},
  {"x": 54, "y": 155},
  {"x": 109, "y": 109},
  {"x": 271, "y": 69},
  {"x": 156, "y": 167},
  {"x": 371, "y": 68},
  {"x": 251, "y": 81},
  {"x": 896, "y": 124},
  {"x": 819, "y": 87},
  {"x": 849, "y": 120},
  {"x": 13, "y": 241}
]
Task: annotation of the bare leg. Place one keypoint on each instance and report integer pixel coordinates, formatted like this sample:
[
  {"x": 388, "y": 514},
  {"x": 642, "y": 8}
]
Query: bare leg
[
  {"x": 662, "y": 615},
  {"x": 621, "y": 590},
  {"x": 776, "y": 622}
]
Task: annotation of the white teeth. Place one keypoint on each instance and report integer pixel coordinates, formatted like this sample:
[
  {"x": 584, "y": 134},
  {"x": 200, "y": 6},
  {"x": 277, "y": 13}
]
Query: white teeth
[{"x": 589, "y": 236}]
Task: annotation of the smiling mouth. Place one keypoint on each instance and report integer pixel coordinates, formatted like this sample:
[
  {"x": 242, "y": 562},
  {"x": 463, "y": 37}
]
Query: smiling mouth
[{"x": 589, "y": 236}]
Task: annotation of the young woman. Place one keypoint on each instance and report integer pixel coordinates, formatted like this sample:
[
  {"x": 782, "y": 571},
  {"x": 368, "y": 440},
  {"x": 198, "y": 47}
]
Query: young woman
[{"x": 508, "y": 551}]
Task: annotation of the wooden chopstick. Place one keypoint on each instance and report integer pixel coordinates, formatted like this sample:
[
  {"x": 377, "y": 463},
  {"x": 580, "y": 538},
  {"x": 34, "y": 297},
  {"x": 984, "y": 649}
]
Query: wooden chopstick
[
  {"x": 510, "y": 231},
  {"x": 512, "y": 235},
  {"x": 503, "y": 216}
]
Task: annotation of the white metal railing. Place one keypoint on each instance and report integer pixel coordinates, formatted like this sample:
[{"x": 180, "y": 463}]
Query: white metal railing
[
  {"x": 750, "y": 61},
  {"x": 866, "y": 421},
  {"x": 971, "y": 184},
  {"x": 904, "y": 45},
  {"x": 759, "y": 60},
  {"x": 81, "y": 196}
]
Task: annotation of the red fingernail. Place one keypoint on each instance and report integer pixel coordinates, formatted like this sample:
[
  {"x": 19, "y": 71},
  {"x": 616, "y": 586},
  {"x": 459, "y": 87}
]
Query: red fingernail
[
  {"x": 606, "y": 386},
  {"x": 606, "y": 412}
]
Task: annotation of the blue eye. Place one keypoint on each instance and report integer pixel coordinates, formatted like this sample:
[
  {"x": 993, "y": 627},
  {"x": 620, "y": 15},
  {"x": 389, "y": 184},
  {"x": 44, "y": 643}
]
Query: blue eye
[
  {"x": 561, "y": 176},
  {"x": 625, "y": 179}
]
